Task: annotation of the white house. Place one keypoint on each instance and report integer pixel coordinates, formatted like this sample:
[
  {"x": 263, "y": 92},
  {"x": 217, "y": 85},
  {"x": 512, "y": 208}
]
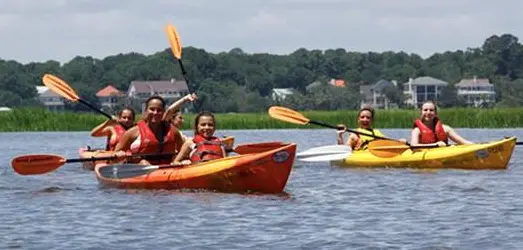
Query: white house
[
  {"x": 476, "y": 91},
  {"x": 50, "y": 99},
  {"x": 169, "y": 90},
  {"x": 423, "y": 89},
  {"x": 109, "y": 97},
  {"x": 280, "y": 94}
]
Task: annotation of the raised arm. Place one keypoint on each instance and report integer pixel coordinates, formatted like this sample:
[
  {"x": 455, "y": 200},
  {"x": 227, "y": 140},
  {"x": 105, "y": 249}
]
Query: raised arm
[
  {"x": 104, "y": 129},
  {"x": 177, "y": 106}
]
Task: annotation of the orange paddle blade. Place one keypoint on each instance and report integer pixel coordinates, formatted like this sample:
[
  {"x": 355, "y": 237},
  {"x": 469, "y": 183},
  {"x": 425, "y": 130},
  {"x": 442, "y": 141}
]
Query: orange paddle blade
[
  {"x": 287, "y": 115},
  {"x": 60, "y": 87},
  {"x": 36, "y": 164},
  {"x": 387, "y": 148},
  {"x": 174, "y": 41}
]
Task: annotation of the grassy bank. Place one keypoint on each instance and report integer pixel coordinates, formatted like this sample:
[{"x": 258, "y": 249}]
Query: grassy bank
[{"x": 43, "y": 120}]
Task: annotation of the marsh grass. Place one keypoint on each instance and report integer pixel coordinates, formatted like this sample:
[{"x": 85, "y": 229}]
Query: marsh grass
[{"x": 33, "y": 119}]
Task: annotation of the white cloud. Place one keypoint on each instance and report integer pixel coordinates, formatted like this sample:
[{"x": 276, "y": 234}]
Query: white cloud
[{"x": 58, "y": 29}]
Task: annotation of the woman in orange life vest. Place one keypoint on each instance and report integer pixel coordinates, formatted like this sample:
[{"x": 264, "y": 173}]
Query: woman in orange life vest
[
  {"x": 174, "y": 111},
  {"x": 429, "y": 130},
  {"x": 365, "y": 120},
  {"x": 152, "y": 134},
  {"x": 204, "y": 145},
  {"x": 115, "y": 128}
]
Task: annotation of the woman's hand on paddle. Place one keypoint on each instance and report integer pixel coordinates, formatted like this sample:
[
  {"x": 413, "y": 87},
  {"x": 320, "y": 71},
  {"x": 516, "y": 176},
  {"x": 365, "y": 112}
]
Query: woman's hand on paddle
[{"x": 341, "y": 129}]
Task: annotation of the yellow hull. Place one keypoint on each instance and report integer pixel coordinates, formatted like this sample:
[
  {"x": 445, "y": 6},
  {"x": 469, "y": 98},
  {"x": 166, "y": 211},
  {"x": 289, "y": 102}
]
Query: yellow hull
[{"x": 492, "y": 155}]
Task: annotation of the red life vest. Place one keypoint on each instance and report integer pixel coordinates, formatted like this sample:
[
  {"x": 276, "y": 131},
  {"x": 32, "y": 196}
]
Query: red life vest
[
  {"x": 429, "y": 135},
  {"x": 112, "y": 141},
  {"x": 149, "y": 143},
  {"x": 207, "y": 149}
]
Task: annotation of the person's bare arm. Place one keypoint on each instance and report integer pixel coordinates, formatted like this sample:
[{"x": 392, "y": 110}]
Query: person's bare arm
[
  {"x": 177, "y": 106},
  {"x": 455, "y": 136},
  {"x": 104, "y": 129},
  {"x": 183, "y": 155},
  {"x": 127, "y": 139}
]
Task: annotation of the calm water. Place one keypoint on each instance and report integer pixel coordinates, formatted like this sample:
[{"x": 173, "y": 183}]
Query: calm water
[{"x": 324, "y": 207}]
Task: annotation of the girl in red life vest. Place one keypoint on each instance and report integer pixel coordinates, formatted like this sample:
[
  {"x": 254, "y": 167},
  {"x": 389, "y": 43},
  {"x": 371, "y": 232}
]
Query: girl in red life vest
[
  {"x": 114, "y": 128},
  {"x": 429, "y": 130},
  {"x": 204, "y": 146},
  {"x": 153, "y": 134}
]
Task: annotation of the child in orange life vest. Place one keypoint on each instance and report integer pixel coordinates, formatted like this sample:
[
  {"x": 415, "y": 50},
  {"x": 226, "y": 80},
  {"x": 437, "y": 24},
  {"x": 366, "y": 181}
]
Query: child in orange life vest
[
  {"x": 115, "y": 128},
  {"x": 429, "y": 130},
  {"x": 151, "y": 135},
  {"x": 204, "y": 146},
  {"x": 359, "y": 142}
]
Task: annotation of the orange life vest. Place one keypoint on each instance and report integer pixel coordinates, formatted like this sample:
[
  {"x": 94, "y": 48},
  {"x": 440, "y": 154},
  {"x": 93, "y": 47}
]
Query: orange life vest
[
  {"x": 112, "y": 141},
  {"x": 207, "y": 149},
  {"x": 150, "y": 144},
  {"x": 431, "y": 135}
]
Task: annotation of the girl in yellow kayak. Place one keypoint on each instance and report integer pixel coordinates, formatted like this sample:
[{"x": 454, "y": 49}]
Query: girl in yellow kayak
[
  {"x": 204, "y": 146},
  {"x": 429, "y": 130},
  {"x": 356, "y": 141},
  {"x": 114, "y": 128}
]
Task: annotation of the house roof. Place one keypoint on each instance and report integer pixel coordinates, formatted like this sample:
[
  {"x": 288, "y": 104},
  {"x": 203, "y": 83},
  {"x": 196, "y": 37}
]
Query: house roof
[
  {"x": 366, "y": 90},
  {"x": 41, "y": 89},
  {"x": 109, "y": 90},
  {"x": 337, "y": 82},
  {"x": 427, "y": 80},
  {"x": 381, "y": 84},
  {"x": 287, "y": 91},
  {"x": 158, "y": 86},
  {"x": 483, "y": 82}
]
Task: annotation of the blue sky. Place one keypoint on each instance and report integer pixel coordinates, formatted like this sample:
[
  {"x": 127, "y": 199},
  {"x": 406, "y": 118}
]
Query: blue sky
[{"x": 32, "y": 30}]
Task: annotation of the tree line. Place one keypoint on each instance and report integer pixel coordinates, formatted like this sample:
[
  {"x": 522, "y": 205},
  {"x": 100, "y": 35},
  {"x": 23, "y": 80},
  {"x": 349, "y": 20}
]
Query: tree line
[{"x": 236, "y": 81}]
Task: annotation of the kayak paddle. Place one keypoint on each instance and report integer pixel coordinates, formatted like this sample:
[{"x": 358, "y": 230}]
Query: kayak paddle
[
  {"x": 176, "y": 49},
  {"x": 291, "y": 116},
  {"x": 325, "y": 153},
  {"x": 34, "y": 164},
  {"x": 63, "y": 89}
]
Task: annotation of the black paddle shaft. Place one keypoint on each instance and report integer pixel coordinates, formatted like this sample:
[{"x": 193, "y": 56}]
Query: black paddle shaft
[
  {"x": 350, "y": 130},
  {"x": 94, "y": 108}
]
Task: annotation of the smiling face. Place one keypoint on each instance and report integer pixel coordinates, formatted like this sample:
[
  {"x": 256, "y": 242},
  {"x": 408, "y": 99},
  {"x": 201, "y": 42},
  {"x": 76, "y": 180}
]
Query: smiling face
[
  {"x": 428, "y": 112},
  {"x": 177, "y": 120},
  {"x": 365, "y": 119},
  {"x": 126, "y": 118},
  {"x": 154, "y": 111},
  {"x": 205, "y": 126}
]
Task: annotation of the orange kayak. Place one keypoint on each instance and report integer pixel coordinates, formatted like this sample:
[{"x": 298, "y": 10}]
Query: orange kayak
[{"x": 264, "y": 172}]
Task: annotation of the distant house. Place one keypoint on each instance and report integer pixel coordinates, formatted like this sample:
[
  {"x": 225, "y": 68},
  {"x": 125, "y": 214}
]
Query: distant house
[
  {"x": 422, "y": 89},
  {"x": 281, "y": 94},
  {"x": 50, "y": 99},
  {"x": 169, "y": 90},
  {"x": 337, "y": 83},
  {"x": 476, "y": 91},
  {"x": 109, "y": 97},
  {"x": 373, "y": 94}
]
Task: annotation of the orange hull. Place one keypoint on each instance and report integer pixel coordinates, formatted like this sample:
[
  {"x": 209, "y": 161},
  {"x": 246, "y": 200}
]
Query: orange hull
[{"x": 264, "y": 172}]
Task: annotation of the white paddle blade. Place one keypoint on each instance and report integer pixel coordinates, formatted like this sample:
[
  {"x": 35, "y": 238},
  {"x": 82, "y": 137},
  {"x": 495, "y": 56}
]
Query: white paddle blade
[{"x": 325, "y": 153}]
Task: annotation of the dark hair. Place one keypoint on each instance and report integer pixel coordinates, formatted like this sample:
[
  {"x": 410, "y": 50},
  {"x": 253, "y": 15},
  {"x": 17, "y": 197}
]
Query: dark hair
[
  {"x": 433, "y": 103},
  {"x": 127, "y": 108},
  {"x": 197, "y": 120},
  {"x": 155, "y": 97},
  {"x": 367, "y": 108}
]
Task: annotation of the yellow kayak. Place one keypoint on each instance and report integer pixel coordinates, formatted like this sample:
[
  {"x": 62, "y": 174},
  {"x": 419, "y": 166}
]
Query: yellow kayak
[{"x": 492, "y": 155}]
